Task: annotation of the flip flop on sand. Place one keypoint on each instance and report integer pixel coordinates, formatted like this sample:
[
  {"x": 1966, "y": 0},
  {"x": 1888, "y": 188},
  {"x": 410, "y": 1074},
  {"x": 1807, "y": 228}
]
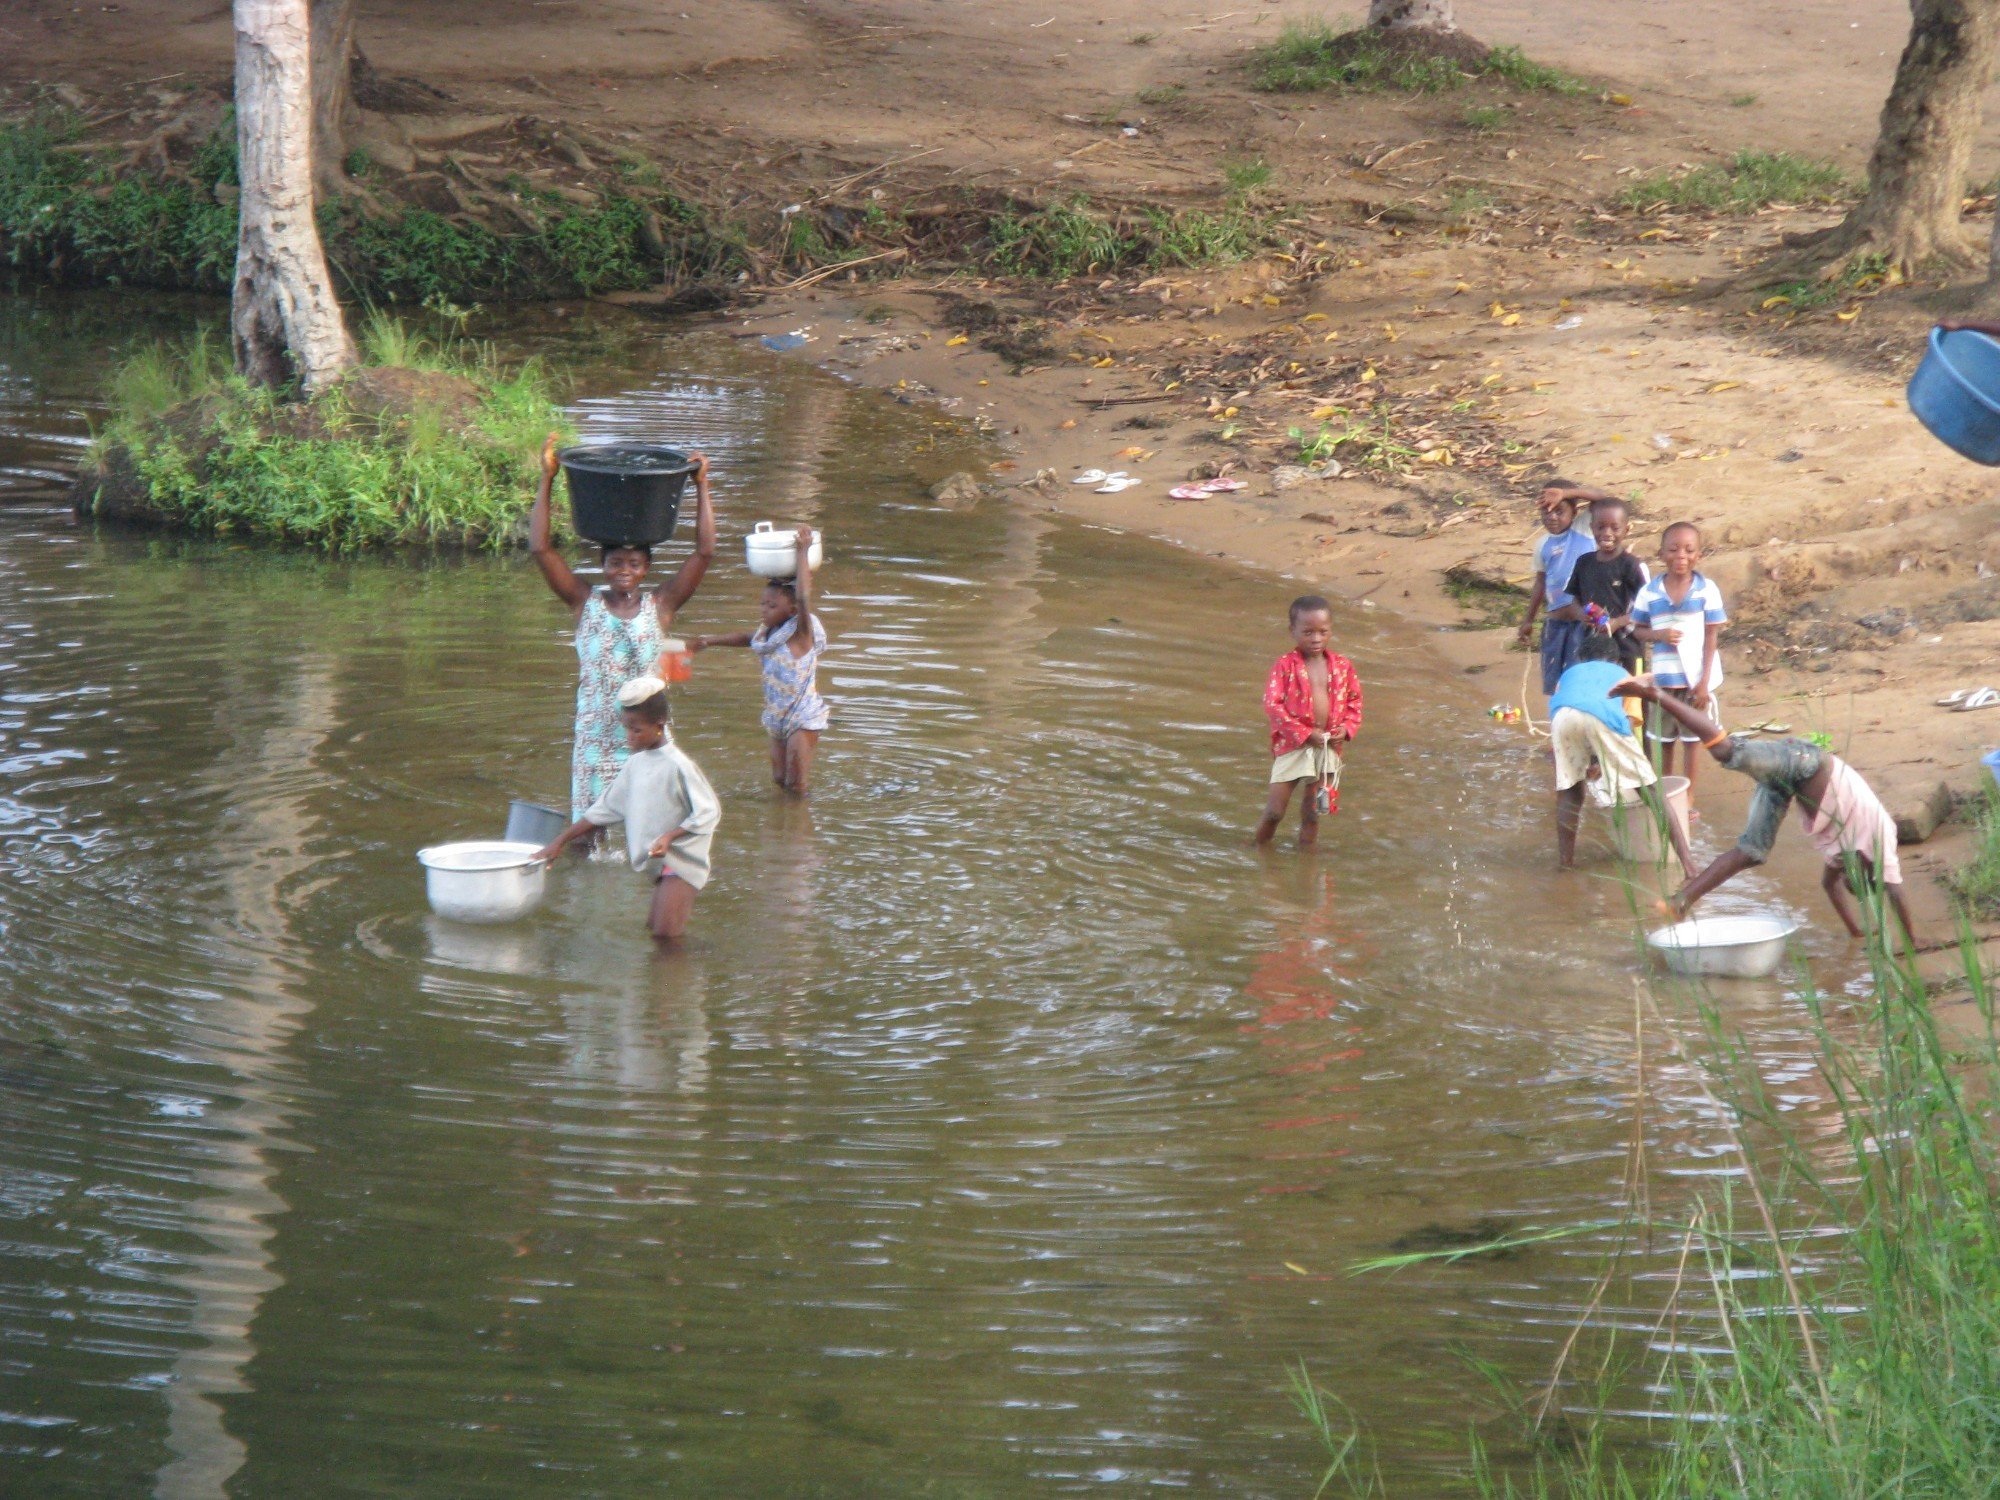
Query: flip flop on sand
[
  {"x": 1189, "y": 492},
  {"x": 1091, "y": 476},
  {"x": 1955, "y": 697},
  {"x": 1984, "y": 698},
  {"x": 1768, "y": 726},
  {"x": 1220, "y": 486},
  {"x": 1113, "y": 483}
]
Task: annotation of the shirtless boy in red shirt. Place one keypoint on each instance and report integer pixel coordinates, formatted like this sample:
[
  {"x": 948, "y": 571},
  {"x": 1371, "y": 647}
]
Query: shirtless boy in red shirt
[{"x": 1313, "y": 700}]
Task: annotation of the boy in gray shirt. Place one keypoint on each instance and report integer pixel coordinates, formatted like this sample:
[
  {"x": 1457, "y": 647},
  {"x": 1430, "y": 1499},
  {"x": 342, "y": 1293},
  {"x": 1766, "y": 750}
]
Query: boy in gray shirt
[{"x": 667, "y": 806}]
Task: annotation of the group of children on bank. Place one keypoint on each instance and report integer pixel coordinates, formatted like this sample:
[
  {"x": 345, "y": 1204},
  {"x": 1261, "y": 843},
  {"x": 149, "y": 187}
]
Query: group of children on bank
[
  {"x": 625, "y": 767},
  {"x": 1603, "y": 614}
]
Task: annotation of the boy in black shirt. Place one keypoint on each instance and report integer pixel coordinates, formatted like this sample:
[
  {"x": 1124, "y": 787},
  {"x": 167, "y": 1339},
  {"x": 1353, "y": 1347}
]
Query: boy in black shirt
[{"x": 1611, "y": 577}]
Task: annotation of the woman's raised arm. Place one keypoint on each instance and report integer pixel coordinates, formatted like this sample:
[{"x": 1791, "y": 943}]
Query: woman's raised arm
[
  {"x": 688, "y": 579},
  {"x": 566, "y": 586}
]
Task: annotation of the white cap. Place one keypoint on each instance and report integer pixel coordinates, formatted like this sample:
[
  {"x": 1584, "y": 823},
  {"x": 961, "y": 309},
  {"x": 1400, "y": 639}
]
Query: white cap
[{"x": 638, "y": 690}]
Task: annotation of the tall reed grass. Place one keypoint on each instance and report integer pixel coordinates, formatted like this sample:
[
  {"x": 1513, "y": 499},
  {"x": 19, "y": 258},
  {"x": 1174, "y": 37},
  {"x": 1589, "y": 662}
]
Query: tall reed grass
[{"x": 1832, "y": 1331}]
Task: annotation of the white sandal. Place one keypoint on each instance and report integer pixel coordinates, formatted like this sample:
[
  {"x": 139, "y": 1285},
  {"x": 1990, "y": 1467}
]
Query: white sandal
[
  {"x": 1091, "y": 476},
  {"x": 1984, "y": 698}
]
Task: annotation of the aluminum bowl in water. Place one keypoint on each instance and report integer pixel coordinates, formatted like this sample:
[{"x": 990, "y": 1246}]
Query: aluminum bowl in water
[
  {"x": 1738, "y": 947},
  {"x": 485, "y": 880}
]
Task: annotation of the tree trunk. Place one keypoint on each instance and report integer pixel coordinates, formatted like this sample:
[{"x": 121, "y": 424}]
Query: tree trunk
[
  {"x": 1411, "y": 15},
  {"x": 333, "y": 112},
  {"x": 1911, "y": 212},
  {"x": 283, "y": 315}
]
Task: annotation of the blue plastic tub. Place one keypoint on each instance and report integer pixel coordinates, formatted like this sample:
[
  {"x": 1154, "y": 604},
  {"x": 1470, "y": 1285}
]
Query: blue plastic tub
[
  {"x": 1991, "y": 760},
  {"x": 1956, "y": 393}
]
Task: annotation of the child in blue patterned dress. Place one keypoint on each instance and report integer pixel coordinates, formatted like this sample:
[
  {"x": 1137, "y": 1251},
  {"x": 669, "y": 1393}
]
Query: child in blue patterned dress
[{"x": 790, "y": 641}]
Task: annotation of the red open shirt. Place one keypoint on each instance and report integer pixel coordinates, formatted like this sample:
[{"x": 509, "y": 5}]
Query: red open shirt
[{"x": 1288, "y": 702}]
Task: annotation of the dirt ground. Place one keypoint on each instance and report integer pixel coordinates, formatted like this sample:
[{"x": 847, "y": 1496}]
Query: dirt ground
[{"x": 1477, "y": 278}]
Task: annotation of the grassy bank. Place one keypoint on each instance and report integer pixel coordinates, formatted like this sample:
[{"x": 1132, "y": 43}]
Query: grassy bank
[
  {"x": 1832, "y": 1331},
  {"x": 430, "y": 442},
  {"x": 1315, "y": 54},
  {"x": 82, "y": 217}
]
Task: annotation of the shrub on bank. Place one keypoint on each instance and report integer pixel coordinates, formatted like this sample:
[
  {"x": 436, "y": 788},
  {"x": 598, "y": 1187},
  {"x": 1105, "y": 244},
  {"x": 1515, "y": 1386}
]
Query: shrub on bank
[
  {"x": 69, "y": 215},
  {"x": 1075, "y": 239},
  {"x": 424, "y": 444}
]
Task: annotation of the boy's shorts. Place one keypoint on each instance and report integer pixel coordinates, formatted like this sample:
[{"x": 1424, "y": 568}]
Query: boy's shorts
[
  {"x": 1668, "y": 730},
  {"x": 1580, "y": 738},
  {"x": 1561, "y": 639},
  {"x": 1308, "y": 763}
]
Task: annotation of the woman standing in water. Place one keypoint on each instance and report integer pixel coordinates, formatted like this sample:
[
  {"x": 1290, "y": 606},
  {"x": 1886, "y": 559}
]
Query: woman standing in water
[{"x": 619, "y": 627}]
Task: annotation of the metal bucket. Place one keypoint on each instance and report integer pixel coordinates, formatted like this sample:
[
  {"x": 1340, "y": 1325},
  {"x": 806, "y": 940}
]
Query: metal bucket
[{"x": 531, "y": 823}]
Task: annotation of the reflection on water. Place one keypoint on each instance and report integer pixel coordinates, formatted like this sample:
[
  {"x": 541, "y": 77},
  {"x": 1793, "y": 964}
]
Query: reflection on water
[{"x": 1003, "y": 1129}]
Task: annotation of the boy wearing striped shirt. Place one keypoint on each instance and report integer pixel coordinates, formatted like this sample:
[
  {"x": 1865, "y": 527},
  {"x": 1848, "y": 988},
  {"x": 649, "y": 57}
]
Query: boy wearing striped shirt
[{"x": 1681, "y": 616}]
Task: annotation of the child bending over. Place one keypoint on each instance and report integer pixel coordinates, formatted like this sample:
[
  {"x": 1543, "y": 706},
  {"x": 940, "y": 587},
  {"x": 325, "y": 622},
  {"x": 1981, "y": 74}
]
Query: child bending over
[
  {"x": 789, "y": 642},
  {"x": 666, "y": 804},
  {"x": 1840, "y": 812},
  {"x": 1313, "y": 700},
  {"x": 1596, "y": 739}
]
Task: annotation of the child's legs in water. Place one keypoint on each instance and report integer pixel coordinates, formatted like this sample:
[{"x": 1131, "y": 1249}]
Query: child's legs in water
[
  {"x": 779, "y": 759},
  {"x": 799, "y": 747},
  {"x": 1274, "y": 812},
  {"x": 673, "y": 904}
]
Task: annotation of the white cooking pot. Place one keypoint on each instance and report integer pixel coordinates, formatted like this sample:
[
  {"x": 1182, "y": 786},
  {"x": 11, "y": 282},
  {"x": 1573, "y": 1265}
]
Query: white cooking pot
[
  {"x": 775, "y": 554},
  {"x": 486, "y": 880}
]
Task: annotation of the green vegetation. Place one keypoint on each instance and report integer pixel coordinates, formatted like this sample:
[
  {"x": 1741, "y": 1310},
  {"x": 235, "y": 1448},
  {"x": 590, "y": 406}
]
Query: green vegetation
[
  {"x": 1143, "y": 38},
  {"x": 1314, "y": 54},
  {"x": 1748, "y": 180},
  {"x": 1162, "y": 94},
  {"x": 1465, "y": 201},
  {"x": 1976, "y": 884},
  {"x": 1245, "y": 177},
  {"x": 1075, "y": 239},
  {"x": 1856, "y": 275},
  {"x": 1832, "y": 1320},
  {"x": 1742, "y": 101},
  {"x": 430, "y": 442},
  {"x": 1483, "y": 119},
  {"x": 71, "y": 216}
]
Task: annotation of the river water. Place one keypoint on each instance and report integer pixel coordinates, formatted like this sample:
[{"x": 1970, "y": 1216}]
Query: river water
[{"x": 1004, "y": 1129}]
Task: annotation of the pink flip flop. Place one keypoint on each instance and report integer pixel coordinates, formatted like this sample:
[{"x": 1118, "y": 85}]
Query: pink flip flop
[
  {"x": 1188, "y": 492},
  {"x": 1221, "y": 486}
]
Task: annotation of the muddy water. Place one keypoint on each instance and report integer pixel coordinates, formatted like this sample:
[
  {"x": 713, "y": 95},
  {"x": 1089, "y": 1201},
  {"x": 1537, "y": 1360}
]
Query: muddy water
[{"x": 1004, "y": 1129}]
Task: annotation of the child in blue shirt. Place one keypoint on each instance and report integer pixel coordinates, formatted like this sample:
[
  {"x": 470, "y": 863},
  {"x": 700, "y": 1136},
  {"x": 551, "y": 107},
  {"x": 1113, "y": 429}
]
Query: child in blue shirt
[
  {"x": 1680, "y": 615},
  {"x": 1556, "y": 555},
  {"x": 1595, "y": 740}
]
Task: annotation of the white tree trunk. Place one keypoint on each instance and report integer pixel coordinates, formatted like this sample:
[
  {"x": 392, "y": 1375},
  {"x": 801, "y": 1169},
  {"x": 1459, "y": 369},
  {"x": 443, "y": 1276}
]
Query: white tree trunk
[
  {"x": 1411, "y": 15},
  {"x": 283, "y": 314}
]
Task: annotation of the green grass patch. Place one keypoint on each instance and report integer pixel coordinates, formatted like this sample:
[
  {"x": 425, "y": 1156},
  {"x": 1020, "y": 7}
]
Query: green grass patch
[
  {"x": 1749, "y": 180},
  {"x": 1314, "y": 54},
  {"x": 1076, "y": 239},
  {"x": 440, "y": 449},
  {"x": 1483, "y": 119},
  {"x": 1246, "y": 177},
  {"x": 65, "y": 216},
  {"x": 1976, "y": 883},
  {"x": 1858, "y": 275}
]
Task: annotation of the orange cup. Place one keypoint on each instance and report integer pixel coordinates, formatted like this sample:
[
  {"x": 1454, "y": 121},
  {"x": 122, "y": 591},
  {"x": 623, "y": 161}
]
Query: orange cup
[{"x": 677, "y": 661}]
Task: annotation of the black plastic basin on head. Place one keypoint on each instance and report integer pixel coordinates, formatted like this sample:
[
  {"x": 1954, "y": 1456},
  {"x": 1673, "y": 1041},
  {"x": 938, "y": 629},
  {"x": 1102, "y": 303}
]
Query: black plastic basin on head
[{"x": 625, "y": 494}]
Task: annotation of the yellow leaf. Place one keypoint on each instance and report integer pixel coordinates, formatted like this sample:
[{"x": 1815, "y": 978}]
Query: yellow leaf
[
  {"x": 982, "y": 382},
  {"x": 1724, "y": 385},
  {"x": 1270, "y": 301},
  {"x": 1770, "y": 302},
  {"x": 902, "y": 385},
  {"x": 1621, "y": 98},
  {"x": 1495, "y": 310},
  {"x": 1368, "y": 374},
  {"x": 1541, "y": 385},
  {"x": 1066, "y": 424},
  {"x": 1229, "y": 411},
  {"x": 1321, "y": 413},
  {"x": 1331, "y": 337},
  {"x": 1313, "y": 318},
  {"x": 1492, "y": 380},
  {"x": 1849, "y": 316},
  {"x": 1510, "y": 320},
  {"x": 1104, "y": 338},
  {"x": 1291, "y": 1265},
  {"x": 1622, "y": 265},
  {"x": 955, "y": 341},
  {"x": 1516, "y": 468},
  {"x": 1173, "y": 385},
  {"x": 1420, "y": 273},
  {"x": 1435, "y": 456},
  {"x": 1653, "y": 234},
  {"x": 1135, "y": 452},
  {"x": 1463, "y": 286},
  {"x": 1104, "y": 363}
]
